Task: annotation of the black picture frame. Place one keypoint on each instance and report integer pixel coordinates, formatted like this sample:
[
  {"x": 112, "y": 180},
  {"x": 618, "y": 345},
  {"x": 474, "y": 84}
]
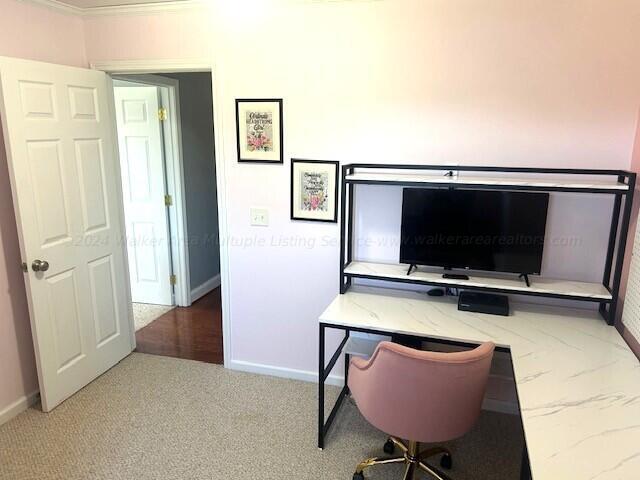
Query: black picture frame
[
  {"x": 280, "y": 160},
  {"x": 336, "y": 169}
]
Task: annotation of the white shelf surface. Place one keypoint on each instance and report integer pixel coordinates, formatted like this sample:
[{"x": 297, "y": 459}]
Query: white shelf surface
[
  {"x": 505, "y": 181},
  {"x": 539, "y": 285}
]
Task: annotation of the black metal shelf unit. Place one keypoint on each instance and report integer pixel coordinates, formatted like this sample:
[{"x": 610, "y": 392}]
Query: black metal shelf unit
[{"x": 619, "y": 183}]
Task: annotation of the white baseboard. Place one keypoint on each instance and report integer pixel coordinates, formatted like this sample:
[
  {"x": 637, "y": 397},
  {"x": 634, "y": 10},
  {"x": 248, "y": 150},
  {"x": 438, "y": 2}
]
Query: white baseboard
[
  {"x": 282, "y": 372},
  {"x": 18, "y": 407},
  {"x": 201, "y": 290},
  {"x": 489, "y": 404}
]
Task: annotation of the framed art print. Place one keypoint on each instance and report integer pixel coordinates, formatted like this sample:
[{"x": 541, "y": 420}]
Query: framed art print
[
  {"x": 259, "y": 130},
  {"x": 314, "y": 190}
]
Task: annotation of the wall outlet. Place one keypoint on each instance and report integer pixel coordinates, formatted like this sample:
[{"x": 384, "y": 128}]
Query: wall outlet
[{"x": 259, "y": 216}]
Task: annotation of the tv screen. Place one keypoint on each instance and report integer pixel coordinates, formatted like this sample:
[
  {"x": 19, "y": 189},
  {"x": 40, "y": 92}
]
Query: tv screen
[{"x": 474, "y": 229}]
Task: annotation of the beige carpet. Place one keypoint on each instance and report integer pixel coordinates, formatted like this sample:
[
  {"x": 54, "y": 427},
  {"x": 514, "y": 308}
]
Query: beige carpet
[
  {"x": 168, "y": 419},
  {"x": 145, "y": 313}
]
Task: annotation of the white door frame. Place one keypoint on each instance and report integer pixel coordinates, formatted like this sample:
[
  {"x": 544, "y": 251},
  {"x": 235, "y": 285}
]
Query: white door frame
[
  {"x": 169, "y": 89},
  {"x": 124, "y": 67}
]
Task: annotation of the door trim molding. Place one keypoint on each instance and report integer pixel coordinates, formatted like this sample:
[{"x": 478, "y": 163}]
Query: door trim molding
[
  {"x": 198, "y": 65},
  {"x": 123, "y": 67}
]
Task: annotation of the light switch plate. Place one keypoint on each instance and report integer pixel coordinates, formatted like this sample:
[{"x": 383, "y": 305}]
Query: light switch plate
[{"x": 259, "y": 216}]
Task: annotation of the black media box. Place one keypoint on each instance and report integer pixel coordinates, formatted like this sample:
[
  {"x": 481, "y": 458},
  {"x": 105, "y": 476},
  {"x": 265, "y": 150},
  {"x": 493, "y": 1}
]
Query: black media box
[{"x": 483, "y": 303}]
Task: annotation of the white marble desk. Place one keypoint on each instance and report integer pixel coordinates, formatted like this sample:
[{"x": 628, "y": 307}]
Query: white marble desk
[{"x": 578, "y": 382}]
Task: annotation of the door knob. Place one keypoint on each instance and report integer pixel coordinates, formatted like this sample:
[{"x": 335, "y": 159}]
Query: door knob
[{"x": 40, "y": 266}]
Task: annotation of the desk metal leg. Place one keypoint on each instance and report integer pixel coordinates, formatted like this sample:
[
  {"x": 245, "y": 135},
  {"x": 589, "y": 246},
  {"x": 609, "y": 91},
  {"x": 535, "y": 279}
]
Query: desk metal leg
[
  {"x": 323, "y": 373},
  {"x": 347, "y": 358},
  {"x": 525, "y": 468},
  {"x": 321, "y": 388}
]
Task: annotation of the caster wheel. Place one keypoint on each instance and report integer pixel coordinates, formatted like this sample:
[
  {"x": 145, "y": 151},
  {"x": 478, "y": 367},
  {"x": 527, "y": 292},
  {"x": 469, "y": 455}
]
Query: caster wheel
[
  {"x": 446, "y": 461},
  {"x": 358, "y": 476},
  {"x": 389, "y": 447}
]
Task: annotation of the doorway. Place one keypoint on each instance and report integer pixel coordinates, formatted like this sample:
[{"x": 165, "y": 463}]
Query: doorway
[{"x": 165, "y": 140}]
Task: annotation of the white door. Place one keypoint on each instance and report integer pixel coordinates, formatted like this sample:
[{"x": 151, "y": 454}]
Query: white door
[
  {"x": 143, "y": 186},
  {"x": 58, "y": 131}
]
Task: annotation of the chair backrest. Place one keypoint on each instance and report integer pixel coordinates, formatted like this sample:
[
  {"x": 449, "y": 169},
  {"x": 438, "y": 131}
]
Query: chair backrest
[{"x": 420, "y": 395}]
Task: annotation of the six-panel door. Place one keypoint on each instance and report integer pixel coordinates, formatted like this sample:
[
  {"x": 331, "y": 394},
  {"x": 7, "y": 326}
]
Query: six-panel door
[
  {"x": 62, "y": 156},
  {"x": 143, "y": 184}
]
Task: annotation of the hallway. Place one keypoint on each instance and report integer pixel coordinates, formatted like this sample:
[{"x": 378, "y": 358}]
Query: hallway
[{"x": 192, "y": 333}]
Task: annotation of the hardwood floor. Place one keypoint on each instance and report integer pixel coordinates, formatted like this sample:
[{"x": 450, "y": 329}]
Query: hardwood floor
[{"x": 194, "y": 332}]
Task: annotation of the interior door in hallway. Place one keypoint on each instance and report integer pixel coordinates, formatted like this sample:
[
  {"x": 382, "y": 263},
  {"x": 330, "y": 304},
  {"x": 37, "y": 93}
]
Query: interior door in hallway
[
  {"x": 61, "y": 151},
  {"x": 144, "y": 189}
]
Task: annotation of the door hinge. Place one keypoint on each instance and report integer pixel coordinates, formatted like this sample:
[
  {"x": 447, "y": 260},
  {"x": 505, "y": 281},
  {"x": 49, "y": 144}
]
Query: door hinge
[
  {"x": 162, "y": 114},
  {"x": 172, "y": 279},
  {"x": 168, "y": 200}
]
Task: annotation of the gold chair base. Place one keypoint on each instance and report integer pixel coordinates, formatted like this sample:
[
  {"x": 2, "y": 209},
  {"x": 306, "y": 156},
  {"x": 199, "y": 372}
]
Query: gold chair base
[{"x": 412, "y": 458}]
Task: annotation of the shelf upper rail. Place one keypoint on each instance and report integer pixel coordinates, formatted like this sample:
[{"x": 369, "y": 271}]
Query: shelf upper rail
[
  {"x": 479, "y": 168},
  {"x": 539, "y": 183}
]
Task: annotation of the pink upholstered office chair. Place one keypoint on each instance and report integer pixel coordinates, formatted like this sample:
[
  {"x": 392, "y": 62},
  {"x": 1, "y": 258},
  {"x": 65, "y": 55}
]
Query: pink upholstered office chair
[{"x": 419, "y": 396}]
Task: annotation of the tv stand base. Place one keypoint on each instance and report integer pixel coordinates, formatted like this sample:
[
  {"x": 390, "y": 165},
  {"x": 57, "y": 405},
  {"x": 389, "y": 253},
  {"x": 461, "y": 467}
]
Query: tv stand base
[{"x": 526, "y": 278}]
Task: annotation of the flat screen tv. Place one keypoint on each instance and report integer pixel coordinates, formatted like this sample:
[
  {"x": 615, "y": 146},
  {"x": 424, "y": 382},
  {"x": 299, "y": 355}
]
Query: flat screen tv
[{"x": 474, "y": 229}]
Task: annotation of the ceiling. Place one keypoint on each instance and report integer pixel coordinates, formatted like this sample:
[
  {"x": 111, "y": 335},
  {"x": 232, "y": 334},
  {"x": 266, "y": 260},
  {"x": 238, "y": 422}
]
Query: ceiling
[{"x": 109, "y": 3}]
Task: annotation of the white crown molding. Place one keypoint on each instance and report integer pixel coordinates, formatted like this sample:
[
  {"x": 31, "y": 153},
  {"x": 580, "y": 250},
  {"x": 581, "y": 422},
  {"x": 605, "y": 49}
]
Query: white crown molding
[
  {"x": 146, "y": 8},
  {"x": 57, "y": 6},
  {"x": 137, "y": 9},
  {"x": 156, "y": 7}
]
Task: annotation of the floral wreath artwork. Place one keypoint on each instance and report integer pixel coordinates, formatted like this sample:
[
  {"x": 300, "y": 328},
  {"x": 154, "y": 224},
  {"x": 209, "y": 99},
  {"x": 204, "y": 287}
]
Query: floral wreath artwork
[
  {"x": 314, "y": 190},
  {"x": 259, "y": 130}
]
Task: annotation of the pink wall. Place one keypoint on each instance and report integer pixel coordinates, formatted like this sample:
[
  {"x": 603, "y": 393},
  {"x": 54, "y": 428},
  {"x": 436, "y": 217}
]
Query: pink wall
[
  {"x": 635, "y": 159},
  {"x": 36, "y": 33},
  {"x": 17, "y": 365},
  {"x": 174, "y": 36}
]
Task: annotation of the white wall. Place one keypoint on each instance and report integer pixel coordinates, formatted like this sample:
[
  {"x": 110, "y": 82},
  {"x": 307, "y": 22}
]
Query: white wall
[{"x": 548, "y": 84}]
